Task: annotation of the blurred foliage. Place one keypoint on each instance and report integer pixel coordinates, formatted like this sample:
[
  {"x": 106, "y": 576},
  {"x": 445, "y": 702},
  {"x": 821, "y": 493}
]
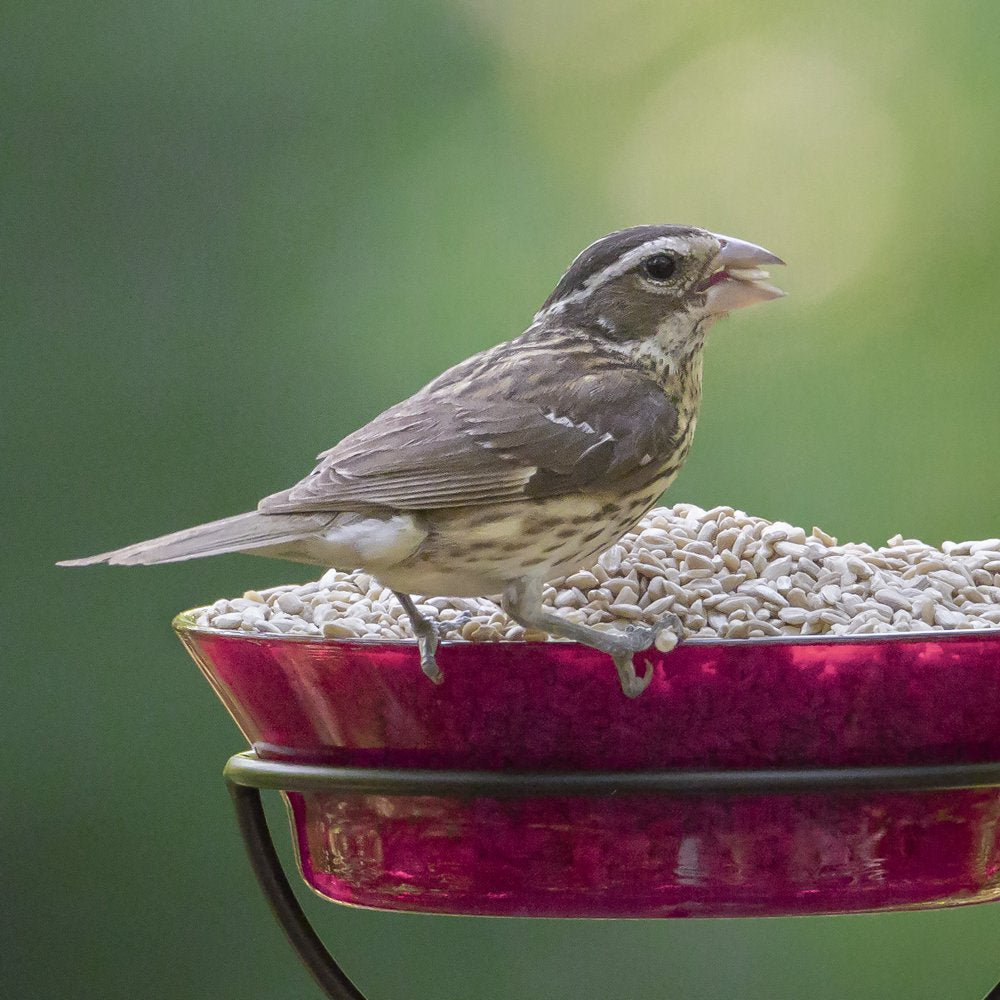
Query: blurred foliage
[{"x": 233, "y": 232}]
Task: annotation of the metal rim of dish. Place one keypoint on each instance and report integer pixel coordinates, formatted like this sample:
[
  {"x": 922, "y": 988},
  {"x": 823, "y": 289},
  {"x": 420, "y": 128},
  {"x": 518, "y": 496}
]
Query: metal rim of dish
[
  {"x": 185, "y": 623},
  {"x": 249, "y": 770}
]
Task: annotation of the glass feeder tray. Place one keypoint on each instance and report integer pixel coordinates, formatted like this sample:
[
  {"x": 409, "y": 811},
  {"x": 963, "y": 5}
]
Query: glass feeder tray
[{"x": 752, "y": 778}]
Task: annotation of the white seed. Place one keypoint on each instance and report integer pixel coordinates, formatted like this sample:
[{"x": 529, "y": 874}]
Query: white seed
[
  {"x": 730, "y": 560},
  {"x": 765, "y": 593},
  {"x": 665, "y": 641},
  {"x": 723, "y": 572},
  {"x": 791, "y": 549},
  {"x": 798, "y": 598},
  {"x": 698, "y": 574},
  {"x": 763, "y": 628},
  {"x": 632, "y": 611},
  {"x": 793, "y": 616},
  {"x": 657, "y": 608},
  {"x": 892, "y": 598},
  {"x": 778, "y": 568},
  {"x": 535, "y": 635},
  {"x": 947, "y": 618},
  {"x": 742, "y": 541},
  {"x": 290, "y": 603},
  {"x": 951, "y": 578}
]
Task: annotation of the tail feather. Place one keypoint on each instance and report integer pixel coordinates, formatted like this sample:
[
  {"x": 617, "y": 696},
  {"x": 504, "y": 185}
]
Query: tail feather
[{"x": 240, "y": 533}]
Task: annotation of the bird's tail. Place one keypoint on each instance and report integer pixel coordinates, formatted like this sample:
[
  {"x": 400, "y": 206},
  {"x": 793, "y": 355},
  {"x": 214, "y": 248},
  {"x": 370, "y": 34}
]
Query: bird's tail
[{"x": 240, "y": 533}]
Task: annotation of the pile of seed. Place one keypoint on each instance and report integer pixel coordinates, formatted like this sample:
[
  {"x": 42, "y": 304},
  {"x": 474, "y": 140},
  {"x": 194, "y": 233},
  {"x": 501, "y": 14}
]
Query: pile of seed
[{"x": 724, "y": 573}]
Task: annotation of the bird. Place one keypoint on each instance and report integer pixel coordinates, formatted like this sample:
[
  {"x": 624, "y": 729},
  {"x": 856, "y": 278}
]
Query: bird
[{"x": 524, "y": 461}]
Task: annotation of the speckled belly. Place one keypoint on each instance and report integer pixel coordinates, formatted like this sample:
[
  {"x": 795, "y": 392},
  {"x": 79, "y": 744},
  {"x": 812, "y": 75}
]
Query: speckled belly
[{"x": 476, "y": 551}]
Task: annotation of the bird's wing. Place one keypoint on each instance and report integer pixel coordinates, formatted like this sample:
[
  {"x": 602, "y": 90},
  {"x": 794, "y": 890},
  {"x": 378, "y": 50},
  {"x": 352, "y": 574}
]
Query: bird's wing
[{"x": 478, "y": 440}]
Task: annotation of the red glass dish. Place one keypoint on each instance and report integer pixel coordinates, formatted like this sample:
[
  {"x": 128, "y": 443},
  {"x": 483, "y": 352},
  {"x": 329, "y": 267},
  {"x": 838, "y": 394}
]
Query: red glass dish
[{"x": 731, "y": 704}]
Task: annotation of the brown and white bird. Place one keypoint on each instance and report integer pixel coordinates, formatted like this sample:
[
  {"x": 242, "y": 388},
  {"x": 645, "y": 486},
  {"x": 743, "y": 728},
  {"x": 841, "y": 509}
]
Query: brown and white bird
[{"x": 523, "y": 462}]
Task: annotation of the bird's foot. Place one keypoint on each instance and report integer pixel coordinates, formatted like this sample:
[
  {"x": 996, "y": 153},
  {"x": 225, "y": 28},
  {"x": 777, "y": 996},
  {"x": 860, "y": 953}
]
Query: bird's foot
[
  {"x": 442, "y": 628},
  {"x": 632, "y": 684},
  {"x": 663, "y": 634},
  {"x": 427, "y": 644},
  {"x": 522, "y": 601},
  {"x": 429, "y": 635}
]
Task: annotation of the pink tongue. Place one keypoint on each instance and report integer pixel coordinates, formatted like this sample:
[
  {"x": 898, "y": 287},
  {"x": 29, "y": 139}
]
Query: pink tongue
[{"x": 714, "y": 279}]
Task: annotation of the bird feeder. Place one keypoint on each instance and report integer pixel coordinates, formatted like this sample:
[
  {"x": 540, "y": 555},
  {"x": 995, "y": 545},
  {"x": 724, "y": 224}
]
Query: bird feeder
[{"x": 761, "y": 777}]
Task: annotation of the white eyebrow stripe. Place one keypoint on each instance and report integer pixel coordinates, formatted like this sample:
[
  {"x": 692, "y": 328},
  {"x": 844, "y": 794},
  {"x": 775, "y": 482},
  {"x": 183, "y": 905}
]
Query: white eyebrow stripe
[
  {"x": 628, "y": 260},
  {"x": 617, "y": 267}
]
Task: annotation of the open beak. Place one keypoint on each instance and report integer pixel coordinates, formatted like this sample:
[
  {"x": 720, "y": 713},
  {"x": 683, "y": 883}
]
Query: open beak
[{"x": 739, "y": 278}]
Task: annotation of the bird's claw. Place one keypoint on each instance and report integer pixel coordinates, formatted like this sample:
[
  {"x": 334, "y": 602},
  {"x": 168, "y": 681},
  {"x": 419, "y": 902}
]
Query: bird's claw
[
  {"x": 428, "y": 644},
  {"x": 430, "y": 639},
  {"x": 632, "y": 684},
  {"x": 442, "y": 628},
  {"x": 639, "y": 638},
  {"x": 429, "y": 635}
]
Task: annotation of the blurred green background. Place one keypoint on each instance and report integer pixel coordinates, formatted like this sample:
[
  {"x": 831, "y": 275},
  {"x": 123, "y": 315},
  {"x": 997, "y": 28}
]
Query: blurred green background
[{"x": 232, "y": 232}]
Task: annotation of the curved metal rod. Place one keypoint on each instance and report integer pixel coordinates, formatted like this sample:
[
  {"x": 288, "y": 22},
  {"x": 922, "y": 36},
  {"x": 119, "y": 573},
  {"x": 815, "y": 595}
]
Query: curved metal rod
[
  {"x": 249, "y": 769},
  {"x": 285, "y": 907}
]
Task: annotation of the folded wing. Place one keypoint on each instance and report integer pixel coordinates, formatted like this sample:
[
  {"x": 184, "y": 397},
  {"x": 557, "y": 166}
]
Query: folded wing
[{"x": 495, "y": 438}]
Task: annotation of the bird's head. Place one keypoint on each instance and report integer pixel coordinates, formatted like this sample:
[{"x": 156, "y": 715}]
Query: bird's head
[{"x": 659, "y": 281}]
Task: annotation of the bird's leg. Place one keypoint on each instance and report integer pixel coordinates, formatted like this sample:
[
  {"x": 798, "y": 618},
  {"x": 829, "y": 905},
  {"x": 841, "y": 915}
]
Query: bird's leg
[
  {"x": 522, "y": 600},
  {"x": 427, "y": 638},
  {"x": 429, "y": 634}
]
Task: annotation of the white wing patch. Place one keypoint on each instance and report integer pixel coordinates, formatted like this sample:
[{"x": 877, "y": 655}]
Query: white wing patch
[{"x": 580, "y": 425}]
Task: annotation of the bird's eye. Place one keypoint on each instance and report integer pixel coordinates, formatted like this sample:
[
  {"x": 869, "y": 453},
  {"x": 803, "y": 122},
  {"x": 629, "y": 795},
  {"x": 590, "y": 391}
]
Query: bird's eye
[{"x": 660, "y": 266}]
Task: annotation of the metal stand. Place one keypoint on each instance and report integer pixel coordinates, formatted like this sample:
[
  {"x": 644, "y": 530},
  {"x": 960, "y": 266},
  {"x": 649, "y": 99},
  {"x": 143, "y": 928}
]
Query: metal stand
[
  {"x": 246, "y": 774},
  {"x": 284, "y": 905}
]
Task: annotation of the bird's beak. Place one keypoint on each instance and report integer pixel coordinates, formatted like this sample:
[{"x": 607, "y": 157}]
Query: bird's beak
[{"x": 738, "y": 277}]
